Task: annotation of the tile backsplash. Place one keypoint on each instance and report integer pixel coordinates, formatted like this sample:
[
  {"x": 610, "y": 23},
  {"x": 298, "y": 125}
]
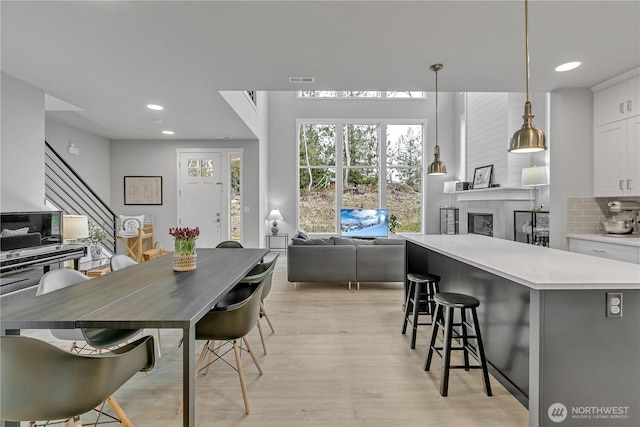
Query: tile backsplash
[{"x": 585, "y": 214}]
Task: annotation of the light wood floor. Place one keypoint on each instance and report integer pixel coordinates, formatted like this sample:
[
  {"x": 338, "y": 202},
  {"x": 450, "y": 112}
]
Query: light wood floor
[{"x": 337, "y": 359}]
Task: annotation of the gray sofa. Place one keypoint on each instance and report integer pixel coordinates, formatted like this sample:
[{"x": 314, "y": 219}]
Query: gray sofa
[{"x": 339, "y": 259}]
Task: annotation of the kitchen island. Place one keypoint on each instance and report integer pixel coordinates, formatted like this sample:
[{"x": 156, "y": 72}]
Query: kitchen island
[{"x": 549, "y": 333}]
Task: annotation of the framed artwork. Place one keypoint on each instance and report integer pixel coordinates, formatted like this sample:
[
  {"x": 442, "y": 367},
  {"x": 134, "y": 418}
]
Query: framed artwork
[
  {"x": 482, "y": 177},
  {"x": 142, "y": 190}
]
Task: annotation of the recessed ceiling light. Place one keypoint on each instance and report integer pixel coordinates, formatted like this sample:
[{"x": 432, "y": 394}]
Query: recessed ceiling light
[
  {"x": 155, "y": 107},
  {"x": 568, "y": 66},
  {"x": 168, "y": 132}
]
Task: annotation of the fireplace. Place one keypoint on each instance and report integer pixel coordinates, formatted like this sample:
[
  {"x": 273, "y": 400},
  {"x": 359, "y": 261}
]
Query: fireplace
[{"x": 480, "y": 223}]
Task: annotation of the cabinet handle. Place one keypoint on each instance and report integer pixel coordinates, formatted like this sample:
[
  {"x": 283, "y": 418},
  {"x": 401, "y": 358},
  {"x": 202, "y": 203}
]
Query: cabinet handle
[
  {"x": 629, "y": 105},
  {"x": 598, "y": 250},
  {"x": 628, "y": 184},
  {"x": 622, "y": 184},
  {"x": 622, "y": 108}
]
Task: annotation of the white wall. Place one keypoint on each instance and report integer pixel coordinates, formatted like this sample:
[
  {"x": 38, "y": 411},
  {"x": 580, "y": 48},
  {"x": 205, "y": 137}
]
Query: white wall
[
  {"x": 21, "y": 146},
  {"x": 158, "y": 158},
  {"x": 93, "y": 163},
  {"x": 284, "y": 109},
  {"x": 571, "y": 127}
]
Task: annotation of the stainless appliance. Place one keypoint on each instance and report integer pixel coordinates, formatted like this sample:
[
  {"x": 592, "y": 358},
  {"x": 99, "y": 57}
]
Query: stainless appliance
[{"x": 623, "y": 218}]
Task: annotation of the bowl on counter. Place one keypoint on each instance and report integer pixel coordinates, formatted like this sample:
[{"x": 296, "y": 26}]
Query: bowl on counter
[{"x": 617, "y": 226}]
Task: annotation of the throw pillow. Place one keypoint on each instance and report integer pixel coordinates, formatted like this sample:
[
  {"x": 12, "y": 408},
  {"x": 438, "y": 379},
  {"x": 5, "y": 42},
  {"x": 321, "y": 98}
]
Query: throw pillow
[
  {"x": 129, "y": 225},
  {"x": 20, "y": 231},
  {"x": 301, "y": 234},
  {"x": 352, "y": 242}
]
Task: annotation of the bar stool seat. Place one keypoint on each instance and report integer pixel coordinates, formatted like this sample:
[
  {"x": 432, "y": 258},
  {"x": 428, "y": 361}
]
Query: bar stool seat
[
  {"x": 446, "y": 303},
  {"x": 422, "y": 287}
]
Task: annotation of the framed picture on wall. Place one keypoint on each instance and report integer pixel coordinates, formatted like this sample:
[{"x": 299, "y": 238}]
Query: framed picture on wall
[
  {"x": 142, "y": 190},
  {"x": 482, "y": 177}
]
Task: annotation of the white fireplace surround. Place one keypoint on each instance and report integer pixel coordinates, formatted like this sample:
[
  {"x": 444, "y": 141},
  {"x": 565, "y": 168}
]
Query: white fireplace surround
[{"x": 499, "y": 202}]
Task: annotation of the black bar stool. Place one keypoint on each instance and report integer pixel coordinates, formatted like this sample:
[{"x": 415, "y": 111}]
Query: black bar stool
[
  {"x": 446, "y": 303},
  {"x": 422, "y": 288}
]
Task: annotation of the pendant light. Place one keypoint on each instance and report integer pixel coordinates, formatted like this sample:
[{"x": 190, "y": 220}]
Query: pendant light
[
  {"x": 437, "y": 167},
  {"x": 528, "y": 139}
]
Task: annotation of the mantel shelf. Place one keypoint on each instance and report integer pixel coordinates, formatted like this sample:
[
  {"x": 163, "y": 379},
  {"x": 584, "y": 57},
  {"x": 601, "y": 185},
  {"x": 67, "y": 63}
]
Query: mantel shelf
[{"x": 496, "y": 193}]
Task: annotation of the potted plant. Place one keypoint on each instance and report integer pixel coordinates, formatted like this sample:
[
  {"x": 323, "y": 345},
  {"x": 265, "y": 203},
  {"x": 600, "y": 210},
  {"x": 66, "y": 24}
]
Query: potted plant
[
  {"x": 393, "y": 223},
  {"x": 96, "y": 236}
]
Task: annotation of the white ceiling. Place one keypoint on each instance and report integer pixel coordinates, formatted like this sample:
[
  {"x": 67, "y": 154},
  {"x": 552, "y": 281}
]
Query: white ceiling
[{"x": 111, "y": 58}]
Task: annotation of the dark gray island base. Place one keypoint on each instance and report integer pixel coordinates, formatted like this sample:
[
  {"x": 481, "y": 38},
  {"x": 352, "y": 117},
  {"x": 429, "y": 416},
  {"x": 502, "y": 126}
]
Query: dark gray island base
[{"x": 543, "y": 316}]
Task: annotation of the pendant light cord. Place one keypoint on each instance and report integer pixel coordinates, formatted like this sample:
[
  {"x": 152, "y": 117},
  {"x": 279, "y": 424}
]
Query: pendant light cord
[
  {"x": 436, "y": 107},
  {"x": 526, "y": 41}
]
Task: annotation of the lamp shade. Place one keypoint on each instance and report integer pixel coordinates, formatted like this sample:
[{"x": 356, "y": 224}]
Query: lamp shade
[
  {"x": 275, "y": 215},
  {"x": 449, "y": 187},
  {"x": 75, "y": 227},
  {"x": 535, "y": 176}
]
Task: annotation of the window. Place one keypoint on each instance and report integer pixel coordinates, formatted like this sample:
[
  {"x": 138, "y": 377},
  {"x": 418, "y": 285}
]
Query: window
[{"x": 367, "y": 164}]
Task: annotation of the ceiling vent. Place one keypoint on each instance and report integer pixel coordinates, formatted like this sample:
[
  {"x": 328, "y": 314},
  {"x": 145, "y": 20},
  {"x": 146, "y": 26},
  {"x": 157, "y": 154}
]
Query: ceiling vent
[{"x": 302, "y": 79}]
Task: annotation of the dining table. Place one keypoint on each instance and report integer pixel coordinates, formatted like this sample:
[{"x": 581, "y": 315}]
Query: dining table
[{"x": 147, "y": 295}]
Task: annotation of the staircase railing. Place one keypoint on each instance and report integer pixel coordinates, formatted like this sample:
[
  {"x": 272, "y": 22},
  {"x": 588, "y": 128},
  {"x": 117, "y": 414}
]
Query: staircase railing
[{"x": 65, "y": 189}]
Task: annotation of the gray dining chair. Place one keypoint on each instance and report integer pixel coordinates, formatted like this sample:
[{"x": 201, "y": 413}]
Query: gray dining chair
[
  {"x": 42, "y": 382},
  {"x": 229, "y": 244},
  {"x": 120, "y": 262},
  {"x": 263, "y": 272},
  {"x": 96, "y": 338},
  {"x": 229, "y": 321}
]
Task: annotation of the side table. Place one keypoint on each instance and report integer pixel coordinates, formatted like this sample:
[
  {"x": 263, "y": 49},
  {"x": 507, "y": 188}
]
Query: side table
[{"x": 270, "y": 239}]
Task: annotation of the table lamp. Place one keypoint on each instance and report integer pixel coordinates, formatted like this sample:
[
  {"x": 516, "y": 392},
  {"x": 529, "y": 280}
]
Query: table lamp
[
  {"x": 74, "y": 228},
  {"x": 275, "y": 216},
  {"x": 535, "y": 177},
  {"x": 449, "y": 188}
]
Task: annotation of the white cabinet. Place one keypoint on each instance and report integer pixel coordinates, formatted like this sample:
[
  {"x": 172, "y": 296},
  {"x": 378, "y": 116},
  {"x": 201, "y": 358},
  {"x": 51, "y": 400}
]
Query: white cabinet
[
  {"x": 616, "y": 102},
  {"x": 616, "y": 155},
  {"x": 605, "y": 250},
  {"x": 616, "y": 139}
]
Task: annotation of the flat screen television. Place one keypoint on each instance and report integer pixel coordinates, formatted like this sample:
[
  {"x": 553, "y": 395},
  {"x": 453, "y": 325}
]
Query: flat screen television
[{"x": 364, "y": 223}]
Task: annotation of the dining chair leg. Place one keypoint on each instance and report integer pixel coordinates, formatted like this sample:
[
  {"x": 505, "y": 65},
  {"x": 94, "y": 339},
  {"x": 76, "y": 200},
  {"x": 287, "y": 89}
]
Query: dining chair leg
[
  {"x": 209, "y": 361},
  {"x": 253, "y": 355},
  {"x": 243, "y": 386},
  {"x": 158, "y": 343},
  {"x": 119, "y": 412},
  {"x": 77, "y": 422},
  {"x": 266, "y": 316},
  {"x": 264, "y": 346}
]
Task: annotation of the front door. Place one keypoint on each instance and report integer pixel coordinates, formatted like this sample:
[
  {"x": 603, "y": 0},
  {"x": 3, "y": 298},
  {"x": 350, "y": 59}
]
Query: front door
[{"x": 200, "y": 195}]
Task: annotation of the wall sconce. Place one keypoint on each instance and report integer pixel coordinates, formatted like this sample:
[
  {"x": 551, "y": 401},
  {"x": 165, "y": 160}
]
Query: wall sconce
[{"x": 73, "y": 149}]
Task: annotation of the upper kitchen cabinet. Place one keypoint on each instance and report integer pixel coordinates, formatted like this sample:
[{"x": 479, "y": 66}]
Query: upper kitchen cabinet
[
  {"x": 616, "y": 102},
  {"x": 616, "y": 138}
]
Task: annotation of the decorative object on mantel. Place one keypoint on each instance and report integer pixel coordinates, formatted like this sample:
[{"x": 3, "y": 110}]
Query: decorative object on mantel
[
  {"x": 275, "y": 216},
  {"x": 528, "y": 139},
  {"x": 462, "y": 185},
  {"x": 535, "y": 177},
  {"x": 437, "y": 167},
  {"x": 184, "y": 255},
  {"x": 96, "y": 236},
  {"x": 482, "y": 177}
]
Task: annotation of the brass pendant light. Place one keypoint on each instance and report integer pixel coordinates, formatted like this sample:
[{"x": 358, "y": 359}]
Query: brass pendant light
[
  {"x": 437, "y": 167},
  {"x": 528, "y": 139}
]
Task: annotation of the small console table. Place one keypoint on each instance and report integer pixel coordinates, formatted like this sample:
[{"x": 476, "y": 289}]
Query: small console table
[{"x": 270, "y": 239}]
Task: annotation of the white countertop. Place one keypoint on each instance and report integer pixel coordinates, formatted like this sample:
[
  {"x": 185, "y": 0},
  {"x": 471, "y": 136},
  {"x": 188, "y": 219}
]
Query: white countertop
[
  {"x": 622, "y": 239},
  {"x": 536, "y": 267}
]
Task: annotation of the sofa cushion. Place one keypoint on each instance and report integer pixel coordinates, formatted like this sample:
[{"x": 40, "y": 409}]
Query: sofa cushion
[
  {"x": 314, "y": 242},
  {"x": 384, "y": 241},
  {"x": 348, "y": 241}
]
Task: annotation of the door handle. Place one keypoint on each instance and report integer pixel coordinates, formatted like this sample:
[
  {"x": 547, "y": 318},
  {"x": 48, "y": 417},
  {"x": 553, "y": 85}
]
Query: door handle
[
  {"x": 622, "y": 108},
  {"x": 598, "y": 251},
  {"x": 628, "y": 184},
  {"x": 629, "y": 105},
  {"x": 622, "y": 184}
]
